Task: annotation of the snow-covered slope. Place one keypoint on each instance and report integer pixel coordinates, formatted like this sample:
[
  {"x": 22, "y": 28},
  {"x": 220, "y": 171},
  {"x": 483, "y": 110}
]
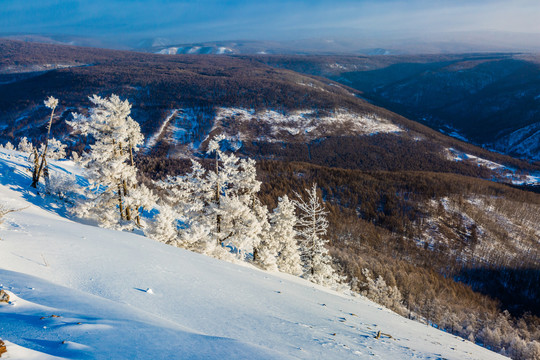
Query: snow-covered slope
[
  {"x": 524, "y": 142},
  {"x": 502, "y": 173},
  {"x": 78, "y": 291}
]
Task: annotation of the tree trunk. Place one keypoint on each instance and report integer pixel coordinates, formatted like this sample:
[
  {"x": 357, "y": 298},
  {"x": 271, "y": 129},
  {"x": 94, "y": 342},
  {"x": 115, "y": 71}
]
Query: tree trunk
[
  {"x": 120, "y": 205},
  {"x": 131, "y": 155},
  {"x": 131, "y": 159},
  {"x": 46, "y": 173},
  {"x": 218, "y": 216},
  {"x": 36, "y": 166},
  {"x": 255, "y": 254},
  {"x": 128, "y": 210},
  {"x": 35, "y": 179}
]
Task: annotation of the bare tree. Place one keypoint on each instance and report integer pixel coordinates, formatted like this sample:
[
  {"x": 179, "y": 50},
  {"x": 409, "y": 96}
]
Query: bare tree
[{"x": 51, "y": 103}]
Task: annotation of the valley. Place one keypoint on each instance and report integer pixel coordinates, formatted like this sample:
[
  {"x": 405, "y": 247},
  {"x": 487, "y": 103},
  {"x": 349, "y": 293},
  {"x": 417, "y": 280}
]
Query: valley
[{"x": 435, "y": 217}]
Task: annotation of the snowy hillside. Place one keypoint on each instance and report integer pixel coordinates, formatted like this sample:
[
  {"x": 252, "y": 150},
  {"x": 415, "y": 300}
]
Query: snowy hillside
[
  {"x": 78, "y": 291},
  {"x": 181, "y": 126},
  {"x": 522, "y": 142}
]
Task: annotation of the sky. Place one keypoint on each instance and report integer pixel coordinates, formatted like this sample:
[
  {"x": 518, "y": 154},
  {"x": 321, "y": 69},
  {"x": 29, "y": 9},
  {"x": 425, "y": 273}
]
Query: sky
[{"x": 127, "y": 21}]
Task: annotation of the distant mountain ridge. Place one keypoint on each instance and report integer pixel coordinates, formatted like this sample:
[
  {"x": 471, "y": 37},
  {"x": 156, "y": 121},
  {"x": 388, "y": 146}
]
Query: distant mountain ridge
[
  {"x": 304, "y": 47},
  {"x": 416, "y": 207},
  {"x": 492, "y": 100},
  {"x": 200, "y": 86}
]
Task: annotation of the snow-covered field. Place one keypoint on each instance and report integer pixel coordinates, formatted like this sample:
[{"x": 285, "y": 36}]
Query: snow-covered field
[{"x": 82, "y": 292}]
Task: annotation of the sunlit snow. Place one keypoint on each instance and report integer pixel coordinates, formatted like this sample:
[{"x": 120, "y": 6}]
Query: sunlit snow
[{"x": 84, "y": 292}]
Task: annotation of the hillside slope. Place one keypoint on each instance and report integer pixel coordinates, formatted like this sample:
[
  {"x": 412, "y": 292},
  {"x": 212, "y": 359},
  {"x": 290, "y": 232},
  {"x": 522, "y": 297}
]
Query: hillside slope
[
  {"x": 78, "y": 291},
  {"x": 490, "y": 99},
  {"x": 181, "y": 100}
]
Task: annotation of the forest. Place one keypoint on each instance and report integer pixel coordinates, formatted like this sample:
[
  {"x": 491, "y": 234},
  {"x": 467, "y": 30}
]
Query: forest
[{"x": 433, "y": 239}]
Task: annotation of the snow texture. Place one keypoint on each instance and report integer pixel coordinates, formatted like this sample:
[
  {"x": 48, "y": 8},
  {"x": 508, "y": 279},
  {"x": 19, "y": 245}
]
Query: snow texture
[
  {"x": 81, "y": 292},
  {"x": 307, "y": 121}
]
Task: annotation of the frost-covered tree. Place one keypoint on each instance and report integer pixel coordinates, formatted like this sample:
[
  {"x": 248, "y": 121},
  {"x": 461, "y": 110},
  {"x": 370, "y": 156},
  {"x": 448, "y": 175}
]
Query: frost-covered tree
[
  {"x": 63, "y": 186},
  {"x": 41, "y": 159},
  {"x": 312, "y": 227},
  {"x": 241, "y": 220},
  {"x": 164, "y": 228},
  {"x": 184, "y": 209},
  {"x": 56, "y": 150},
  {"x": 25, "y": 146},
  {"x": 282, "y": 241},
  {"x": 217, "y": 209},
  {"x": 9, "y": 146},
  {"x": 116, "y": 200},
  {"x": 382, "y": 293},
  {"x": 266, "y": 249}
]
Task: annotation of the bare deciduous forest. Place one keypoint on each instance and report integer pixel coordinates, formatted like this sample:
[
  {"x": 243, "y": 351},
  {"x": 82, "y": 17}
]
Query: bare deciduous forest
[{"x": 440, "y": 242}]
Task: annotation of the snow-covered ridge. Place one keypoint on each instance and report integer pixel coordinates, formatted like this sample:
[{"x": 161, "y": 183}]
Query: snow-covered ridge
[
  {"x": 21, "y": 69},
  {"x": 507, "y": 173},
  {"x": 183, "y": 129},
  {"x": 193, "y": 49},
  {"x": 78, "y": 291},
  {"x": 307, "y": 122},
  {"x": 152, "y": 140},
  {"x": 524, "y": 142},
  {"x": 186, "y": 128}
]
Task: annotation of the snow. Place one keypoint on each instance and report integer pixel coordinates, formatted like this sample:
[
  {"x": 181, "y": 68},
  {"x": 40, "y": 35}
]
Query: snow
[
  {"x": 179, "y": 129},
  {"x": 169, "y": 51},
  {"x": 523, "y": 142},
  {"x": 224, "y": 50},
  {"x": 308, "y": 122},
  {"x": 21, "y": 69},
  {"x": 152, "y": 140},
  {"x": 84, "y": 292},
  {"x": 507, "y": 173},
  {"x": 182, "y": 127}
]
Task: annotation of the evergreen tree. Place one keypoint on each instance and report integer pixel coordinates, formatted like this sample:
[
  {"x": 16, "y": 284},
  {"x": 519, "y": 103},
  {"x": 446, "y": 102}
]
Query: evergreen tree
[
  {"x": 164, "y": 228},
  {"x": 218, "y": 208},
  {"x": 116, "y": 200},
  {"x": 283, "y": 243},
  {"x": 312, "y": 226},
  {"x": 25, "y": 146}
]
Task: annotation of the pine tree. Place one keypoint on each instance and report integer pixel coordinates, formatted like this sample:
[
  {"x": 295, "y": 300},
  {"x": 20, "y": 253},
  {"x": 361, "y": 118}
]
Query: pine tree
[
  {"x": 164, "y": 228},
  {"x": 25, "y": 146},
  {"x": 265, "y": 251},
  {"x": 116, "y": 200},
  {"x": 283, "y": 237},
  {"x": 218, "y": 208},
  {"x": 312, "y": 227},
  {"x": 241, "y": 220}
]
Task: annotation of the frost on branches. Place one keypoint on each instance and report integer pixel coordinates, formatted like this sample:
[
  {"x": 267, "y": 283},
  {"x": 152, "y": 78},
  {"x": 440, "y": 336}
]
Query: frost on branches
[
  {"x": 25, "y": 146},
  {"x": 283, "y": 237},
  {"x": 115, "y": 199},
  {"x": 40, "y": 159},
  {"x": 56, "y": 150},
  {"x": 216, "y": 212},
  {"x": 312, "y": 226}
]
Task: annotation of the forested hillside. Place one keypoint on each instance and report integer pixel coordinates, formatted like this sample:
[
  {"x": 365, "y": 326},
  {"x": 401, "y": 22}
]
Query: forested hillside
[
  {"x": 430, "y": 226},
  {"x": 489, "y": 99}
]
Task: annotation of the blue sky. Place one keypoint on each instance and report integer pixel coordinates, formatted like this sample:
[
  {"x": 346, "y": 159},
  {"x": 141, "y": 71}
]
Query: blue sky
[{"x": 207, "y": 20}]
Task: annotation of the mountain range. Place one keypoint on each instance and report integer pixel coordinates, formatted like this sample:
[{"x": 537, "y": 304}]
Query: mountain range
[{"x": 452, "y": 225}]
